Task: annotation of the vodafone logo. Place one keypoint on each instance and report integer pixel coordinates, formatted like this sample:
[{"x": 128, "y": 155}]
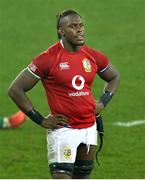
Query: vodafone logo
[{"x": 78, "y": 82}]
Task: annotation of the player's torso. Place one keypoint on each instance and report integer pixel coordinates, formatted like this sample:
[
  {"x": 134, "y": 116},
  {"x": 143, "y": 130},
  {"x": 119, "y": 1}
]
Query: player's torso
[
  {"x": 68, "y": 87},
  {"x": 73, "y": 70}
]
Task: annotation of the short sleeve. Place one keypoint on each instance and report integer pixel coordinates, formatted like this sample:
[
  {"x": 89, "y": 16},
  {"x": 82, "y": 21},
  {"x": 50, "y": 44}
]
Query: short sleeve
[
  {"x": 39, "y": 65},
  {"x": 102, "y": 61}
]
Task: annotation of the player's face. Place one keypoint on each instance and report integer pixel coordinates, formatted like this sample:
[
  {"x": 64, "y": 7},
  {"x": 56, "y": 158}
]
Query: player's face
[{"x": 73, "y": 30}]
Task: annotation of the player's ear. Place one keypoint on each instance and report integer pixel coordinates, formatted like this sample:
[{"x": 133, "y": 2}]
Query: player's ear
[{"x": 61, "y": 32}]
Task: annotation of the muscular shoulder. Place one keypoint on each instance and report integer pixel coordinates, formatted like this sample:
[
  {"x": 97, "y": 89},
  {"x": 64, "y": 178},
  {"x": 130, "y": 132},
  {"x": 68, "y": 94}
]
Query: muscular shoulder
[
  {"x": 100, "y": 58},
  {"x": 95, "y": 53},
  {"x": 47, "y": 57},
  {"x": 54, "y": 49},
  {"x": 50, "y": 52},
  {"x": 42, "y": 63}
]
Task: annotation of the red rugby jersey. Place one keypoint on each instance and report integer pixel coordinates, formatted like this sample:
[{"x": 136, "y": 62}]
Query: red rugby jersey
[{"x": 67, "y": 78}]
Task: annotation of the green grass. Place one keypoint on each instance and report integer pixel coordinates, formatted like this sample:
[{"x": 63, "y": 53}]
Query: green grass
[{"x": 115, "y": 27}]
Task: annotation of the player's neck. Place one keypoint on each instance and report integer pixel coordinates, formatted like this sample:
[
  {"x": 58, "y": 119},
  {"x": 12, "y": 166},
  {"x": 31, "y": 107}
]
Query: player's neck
[{"x": 69, "y": 47}]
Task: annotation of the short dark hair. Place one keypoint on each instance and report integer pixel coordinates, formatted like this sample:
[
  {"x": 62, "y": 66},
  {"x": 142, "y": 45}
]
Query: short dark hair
[{"x": 62, "y": 15}]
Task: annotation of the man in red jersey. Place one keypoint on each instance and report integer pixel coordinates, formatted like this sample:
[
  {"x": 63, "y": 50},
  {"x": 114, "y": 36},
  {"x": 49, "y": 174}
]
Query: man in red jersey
[{"x": 67, "y": 70}]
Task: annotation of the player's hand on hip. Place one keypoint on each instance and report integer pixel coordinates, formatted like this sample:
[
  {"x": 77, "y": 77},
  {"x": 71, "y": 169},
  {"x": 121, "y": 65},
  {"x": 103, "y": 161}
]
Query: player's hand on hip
[
  {"x": 98, "y": 107},
  {"x": 55, "y": 121}
]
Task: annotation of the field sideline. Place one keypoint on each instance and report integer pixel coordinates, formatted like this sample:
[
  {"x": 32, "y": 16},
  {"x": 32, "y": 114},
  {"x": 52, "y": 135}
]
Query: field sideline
[{"x": 115, "y": 27}]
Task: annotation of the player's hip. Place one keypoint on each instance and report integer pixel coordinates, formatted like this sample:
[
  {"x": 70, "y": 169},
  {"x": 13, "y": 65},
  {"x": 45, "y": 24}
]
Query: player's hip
[{"x": 63, "y": 143}]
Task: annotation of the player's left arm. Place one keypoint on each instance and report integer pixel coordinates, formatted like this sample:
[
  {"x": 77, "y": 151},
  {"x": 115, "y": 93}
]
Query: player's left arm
[{"x": 112, "y": 78}]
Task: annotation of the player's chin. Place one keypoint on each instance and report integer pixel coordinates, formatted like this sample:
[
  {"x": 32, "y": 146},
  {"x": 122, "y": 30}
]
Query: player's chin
[{"x": 80, "y": 43}]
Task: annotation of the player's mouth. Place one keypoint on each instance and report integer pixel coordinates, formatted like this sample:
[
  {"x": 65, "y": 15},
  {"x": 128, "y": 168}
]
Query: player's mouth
[{"x": 79, "y": 37}]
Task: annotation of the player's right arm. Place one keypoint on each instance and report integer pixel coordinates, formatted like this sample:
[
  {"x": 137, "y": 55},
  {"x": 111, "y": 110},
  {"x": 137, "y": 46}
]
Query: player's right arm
[
  {"x": 23, "y": 83},
  {"x": 18, "y": 88}
]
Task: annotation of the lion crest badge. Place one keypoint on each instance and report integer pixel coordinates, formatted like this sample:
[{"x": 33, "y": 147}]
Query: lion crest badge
[{"x": 87, "y": 65}]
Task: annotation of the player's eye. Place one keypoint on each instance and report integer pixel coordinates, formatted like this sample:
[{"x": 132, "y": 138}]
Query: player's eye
[
  {"x": 82, "y": 25},
  {"x": 72, "y": 26}
]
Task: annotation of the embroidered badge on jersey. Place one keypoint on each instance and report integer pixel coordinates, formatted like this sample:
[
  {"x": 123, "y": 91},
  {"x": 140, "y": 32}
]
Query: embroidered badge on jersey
[
  {"x": 67, "y": 152},
  {"x": 64, "y": 65},
  {"x": 33, "y": 67},
  {"x": 87, "y": 65}
]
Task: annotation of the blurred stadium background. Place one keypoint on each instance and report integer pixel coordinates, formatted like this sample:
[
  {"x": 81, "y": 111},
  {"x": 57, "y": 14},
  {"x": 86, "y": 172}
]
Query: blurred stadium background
[{"x": 116, "y": 27}]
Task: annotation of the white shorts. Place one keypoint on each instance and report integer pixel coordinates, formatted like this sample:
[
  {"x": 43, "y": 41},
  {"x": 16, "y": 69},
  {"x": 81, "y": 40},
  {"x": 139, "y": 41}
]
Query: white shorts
[{"x": 62, "y": 143}]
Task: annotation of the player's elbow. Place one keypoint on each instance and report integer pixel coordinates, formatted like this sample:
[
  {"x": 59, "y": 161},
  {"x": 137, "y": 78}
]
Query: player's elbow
[
  {"x": 118, "y": 76},
  {"x": 12, "y": 91}
]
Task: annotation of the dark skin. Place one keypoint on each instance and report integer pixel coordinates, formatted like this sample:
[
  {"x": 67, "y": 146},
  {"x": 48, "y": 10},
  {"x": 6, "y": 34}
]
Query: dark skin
[
  {"x": 71, "y": 31},
  {"x": 17, "y": 91},
  {"x": 83, "y": 155}
]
